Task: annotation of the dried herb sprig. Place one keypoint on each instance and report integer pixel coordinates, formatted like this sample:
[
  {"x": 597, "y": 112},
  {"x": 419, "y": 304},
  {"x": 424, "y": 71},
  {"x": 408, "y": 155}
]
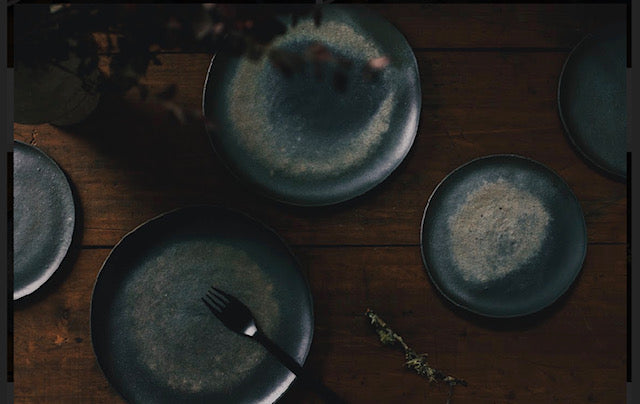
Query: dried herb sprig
[{"x": 413, "y": 360}]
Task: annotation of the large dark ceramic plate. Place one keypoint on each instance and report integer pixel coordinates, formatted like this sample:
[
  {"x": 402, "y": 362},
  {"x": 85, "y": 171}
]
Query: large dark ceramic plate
[
  {"x": 503, "y": 236},
  {"x": 301, "y": 141},
  {"x": 157, "y": 342},
  {"x": 43, "y": 218},
  {"x": 592, "y": 98}
]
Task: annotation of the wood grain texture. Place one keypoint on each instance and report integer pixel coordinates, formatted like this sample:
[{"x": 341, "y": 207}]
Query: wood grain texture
[
  {"x": 498, "y": 25},
  {"x": 450, "y": 26},
  {"x": 53, "y": 356},
  {"x": 489, "y": 78},
  {"x": 572, "y": 352},
  {"x": 132, "y": 161}
]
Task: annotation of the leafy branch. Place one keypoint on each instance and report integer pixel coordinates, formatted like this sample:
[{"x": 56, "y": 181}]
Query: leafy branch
[
  {"x": 413, "y": 360},
  {"x": 116, "y": 44}
]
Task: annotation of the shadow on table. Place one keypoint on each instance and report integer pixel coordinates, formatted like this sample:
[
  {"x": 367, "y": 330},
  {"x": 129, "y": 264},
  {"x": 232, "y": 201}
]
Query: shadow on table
[
  {"x": 63, "y": 271},
  {"x": 176, "y": 162},
  {"x": 171, "y": 161},
  {"x": 298, "y": 392},
  {"x": 141, "y": 134}
]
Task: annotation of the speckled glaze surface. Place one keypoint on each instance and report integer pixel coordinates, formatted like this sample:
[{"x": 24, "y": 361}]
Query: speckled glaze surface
[
  {"x": 157, "y": 342},
  {"x": 43, "y": 218},
  {"x": 299, "y": 140},
  {"x": 503, "y": 236},
  {"x": 592, "y": 98}
]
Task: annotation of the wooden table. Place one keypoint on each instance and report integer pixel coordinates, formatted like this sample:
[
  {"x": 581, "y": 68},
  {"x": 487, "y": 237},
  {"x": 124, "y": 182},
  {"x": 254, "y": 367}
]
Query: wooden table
[{"x": 489, "y": 77}]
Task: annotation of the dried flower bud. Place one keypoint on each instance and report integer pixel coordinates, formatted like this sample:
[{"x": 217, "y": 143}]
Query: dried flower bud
[
  {"x": 218, "y": 28},
  {"x": 202, "y": 29},
  {"x": 54, "y": 8},
  {"x": 374, "y": 67},
  {"x": 319, "y": 52},
  {"x": 379, "y": 63}
]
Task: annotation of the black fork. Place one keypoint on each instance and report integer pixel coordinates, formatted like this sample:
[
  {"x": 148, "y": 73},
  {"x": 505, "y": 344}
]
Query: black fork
[{"x": 238, "y": 318}]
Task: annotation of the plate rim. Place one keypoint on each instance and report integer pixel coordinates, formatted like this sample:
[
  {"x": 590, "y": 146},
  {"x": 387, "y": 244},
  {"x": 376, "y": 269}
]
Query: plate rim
[
  {"x": 253, "y": 186},
  {"x": 55, "y": 264},
  {"x": 176, "y": 211},
  {"x": 568, "y": 133},
  {"x": 480, "y": 312}
]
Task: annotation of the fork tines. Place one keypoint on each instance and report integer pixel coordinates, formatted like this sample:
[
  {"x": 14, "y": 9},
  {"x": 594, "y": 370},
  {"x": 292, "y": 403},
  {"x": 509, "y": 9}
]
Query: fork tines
[{"x": 215, "y": 300}]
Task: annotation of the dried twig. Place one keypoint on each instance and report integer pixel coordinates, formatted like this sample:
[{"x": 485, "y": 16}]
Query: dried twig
[{"x": 415, "y": 361}]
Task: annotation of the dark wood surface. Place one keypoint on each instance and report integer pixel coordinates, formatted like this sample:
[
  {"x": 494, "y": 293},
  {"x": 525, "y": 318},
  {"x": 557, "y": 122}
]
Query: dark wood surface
[{"x": 489, "y": 80}]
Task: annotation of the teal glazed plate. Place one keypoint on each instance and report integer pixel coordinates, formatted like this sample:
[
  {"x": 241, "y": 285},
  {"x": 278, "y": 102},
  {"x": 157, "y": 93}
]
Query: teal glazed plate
[
  {"x": 300, "y": 140},
  {"x": 592, "y": 99},
  {"x": 503, "y": 236},
  {"x": 43, "y": 218},
  {"x": 157, "y": 342}
]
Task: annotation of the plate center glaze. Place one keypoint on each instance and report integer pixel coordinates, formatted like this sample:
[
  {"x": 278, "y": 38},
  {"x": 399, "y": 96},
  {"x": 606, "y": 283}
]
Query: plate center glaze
[
  {"x": 496, "y": 230},
  {"x": 176, "y": 338},
  {"x": 302, "y": 124}
]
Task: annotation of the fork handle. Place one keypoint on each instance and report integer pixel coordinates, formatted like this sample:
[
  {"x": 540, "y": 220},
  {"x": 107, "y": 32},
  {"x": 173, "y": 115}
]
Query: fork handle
[{"x": 323, "y": 391}]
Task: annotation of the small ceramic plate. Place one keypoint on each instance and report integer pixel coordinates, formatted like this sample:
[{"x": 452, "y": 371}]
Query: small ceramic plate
[
  {"x": 43, "y": 218},
  {"x": 298, "y": 139},
  {"x": 592, "y": 98},
  {"x": 157, "y": 342},
  {"x": 503, "y": 236}
]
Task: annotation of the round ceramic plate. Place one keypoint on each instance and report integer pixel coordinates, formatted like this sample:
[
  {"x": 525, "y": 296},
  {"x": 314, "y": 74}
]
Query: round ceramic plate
[
  {"x": 298, "y": 139},
  {"x": 592, "y": 98},
  {"x": 154, "y": 338},
  {"x": 503, "y": 236},
  {"x": 43, "y": 218}
]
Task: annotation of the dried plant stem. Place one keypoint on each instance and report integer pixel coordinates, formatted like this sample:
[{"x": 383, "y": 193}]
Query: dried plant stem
[{"x": 415, "y": 361}]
